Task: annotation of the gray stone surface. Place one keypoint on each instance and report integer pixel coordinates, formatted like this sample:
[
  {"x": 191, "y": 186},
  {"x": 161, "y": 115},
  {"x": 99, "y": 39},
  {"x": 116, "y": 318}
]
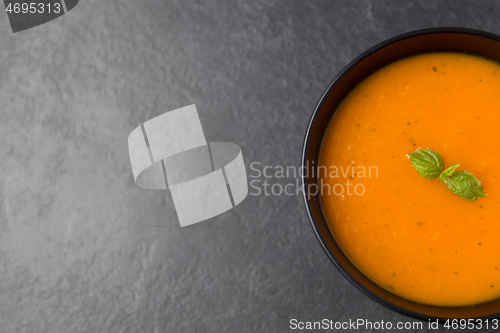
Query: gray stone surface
[{"x": 82, "y": 249}]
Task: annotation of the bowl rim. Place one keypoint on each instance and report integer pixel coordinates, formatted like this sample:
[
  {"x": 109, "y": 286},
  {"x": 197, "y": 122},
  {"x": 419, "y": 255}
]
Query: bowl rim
[{"x": 317, "y": 232}]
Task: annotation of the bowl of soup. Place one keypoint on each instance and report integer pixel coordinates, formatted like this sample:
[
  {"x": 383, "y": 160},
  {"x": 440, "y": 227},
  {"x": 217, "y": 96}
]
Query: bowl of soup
[{"x": 408, "y": 242}]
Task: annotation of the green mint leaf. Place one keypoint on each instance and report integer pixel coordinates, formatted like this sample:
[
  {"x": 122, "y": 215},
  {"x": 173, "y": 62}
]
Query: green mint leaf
[
  {"x": 465, "y": 184},
  {"x": 448, "y": 172},
  {"x": 427, "y": 162}
]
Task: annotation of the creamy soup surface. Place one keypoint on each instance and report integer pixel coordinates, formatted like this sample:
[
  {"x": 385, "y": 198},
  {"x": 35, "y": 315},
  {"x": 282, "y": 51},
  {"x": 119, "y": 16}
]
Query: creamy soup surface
[{"x": 411, "y": 235}]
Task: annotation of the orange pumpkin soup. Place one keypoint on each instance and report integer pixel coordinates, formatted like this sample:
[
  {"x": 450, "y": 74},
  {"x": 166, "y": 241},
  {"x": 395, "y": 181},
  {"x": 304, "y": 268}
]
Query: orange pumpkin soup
[{"x": 411, "y": 235}]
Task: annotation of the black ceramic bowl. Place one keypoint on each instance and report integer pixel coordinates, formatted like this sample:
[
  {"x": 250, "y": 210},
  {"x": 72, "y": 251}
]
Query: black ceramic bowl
[{"x": 430, "y": 40}]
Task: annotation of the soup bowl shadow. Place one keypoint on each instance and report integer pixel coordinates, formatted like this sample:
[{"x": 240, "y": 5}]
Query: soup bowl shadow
[{"x": 475, "y": 42}]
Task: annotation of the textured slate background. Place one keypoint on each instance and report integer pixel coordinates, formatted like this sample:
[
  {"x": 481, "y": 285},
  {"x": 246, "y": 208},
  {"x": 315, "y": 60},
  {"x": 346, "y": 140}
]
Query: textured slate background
[{"x": 82, "y": 249}]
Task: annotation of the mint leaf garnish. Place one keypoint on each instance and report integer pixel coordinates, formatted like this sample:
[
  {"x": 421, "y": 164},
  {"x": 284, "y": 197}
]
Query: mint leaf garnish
[
  {"x": 427, "y": 162},
  {"x": 463, "y": 183},
  {"x": 448, "y": 172}
]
